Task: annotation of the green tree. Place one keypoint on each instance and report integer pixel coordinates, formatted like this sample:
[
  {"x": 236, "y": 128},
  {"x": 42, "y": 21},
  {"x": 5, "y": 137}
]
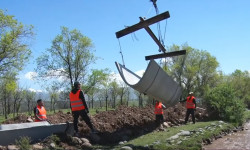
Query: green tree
[
  {"x": 241, "y": 83},
  {"x": 96, "y": 80},
  {"x": 224, "y": 101},
  {"x": 68, "y": 58},
  {"x": 8, "y": 85},
  {"x": 195, "y": 71},
  {"x": 14, "y": 48},
  {"x": 53, "y": 93},
  {"x": 113, "y": 91}
]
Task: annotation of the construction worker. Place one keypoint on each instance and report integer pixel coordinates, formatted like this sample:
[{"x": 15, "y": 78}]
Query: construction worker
[
  {"x": 191, "y": 107},
  {"x": 79, "y": 107},
  {"x": 40, "y": 112},
  {"x": 159, "y": 112}
]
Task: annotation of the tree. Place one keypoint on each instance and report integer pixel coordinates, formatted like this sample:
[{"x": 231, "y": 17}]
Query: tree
[
  {"x": 113, "y": 91},
  {"x": 241, "y": 84},
  {"x": 53, "y": 93},
  {"x": 97, "y": 79},
  {"x": 68, "y": 58},
  {"x": 30, "y": 98},
  {"x": 224, "y": 101},
  {"x": 18, "y": 96},
  {"x": 122, "y": 89},
  {"x": 8, "y": 85},
  {"x": 14, "y": 51},
  {"x": 196, "y": 71}
]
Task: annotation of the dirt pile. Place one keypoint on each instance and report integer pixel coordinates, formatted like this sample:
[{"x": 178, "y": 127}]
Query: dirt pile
[{"x": 121, "y": 124}]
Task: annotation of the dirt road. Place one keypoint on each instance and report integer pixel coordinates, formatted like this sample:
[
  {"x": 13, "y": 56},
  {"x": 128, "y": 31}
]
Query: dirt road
[{"x": 238, "y": 140}]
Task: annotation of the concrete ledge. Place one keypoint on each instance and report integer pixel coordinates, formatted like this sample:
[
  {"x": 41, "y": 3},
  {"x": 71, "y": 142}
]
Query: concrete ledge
[{"x": 36, "y": 131}]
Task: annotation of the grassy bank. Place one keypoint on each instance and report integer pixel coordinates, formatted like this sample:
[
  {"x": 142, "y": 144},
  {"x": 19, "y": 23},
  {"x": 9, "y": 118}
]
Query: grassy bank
[{"x": 182, "y": 137}]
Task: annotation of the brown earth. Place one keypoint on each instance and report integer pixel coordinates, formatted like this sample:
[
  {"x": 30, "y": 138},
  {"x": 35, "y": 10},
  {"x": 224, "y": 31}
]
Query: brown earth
[{"x": 122, "y": 124}]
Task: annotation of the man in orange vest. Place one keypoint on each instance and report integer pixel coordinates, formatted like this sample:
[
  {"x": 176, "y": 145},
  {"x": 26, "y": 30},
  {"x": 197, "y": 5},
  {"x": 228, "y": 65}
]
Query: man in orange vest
[
  {"x": 40, "y": 112},
  {"x": 191, "y": 107},
  {"x": 159, "y": 112},
  {"x": 79, "y": 107}
]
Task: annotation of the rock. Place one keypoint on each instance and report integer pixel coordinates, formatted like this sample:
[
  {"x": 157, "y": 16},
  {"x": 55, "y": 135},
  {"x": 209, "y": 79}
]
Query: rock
[
  {"x": 157, "y": 142},
  {"x": 2, "y": 147},
  {"x": 126, "y": 148},
  {"x": 86, "y": 145},
  {"x": 185, "y": 133},
  {"x": 179, "y": 142},
  {"x": 76, "y": 140},
  {"x": 29, "y": 119},
  {"x": 121, "y": 143},
  {"x": 166, "y": 125},
  {"x": 84, "y": 140},
  {"x": 173, "y": 137},
  {"x": 37, "y": 147},
  {"x": 221, "y": 122},
  {"x": 12, "y": 147},
  {"x": 52, "y": 145}
]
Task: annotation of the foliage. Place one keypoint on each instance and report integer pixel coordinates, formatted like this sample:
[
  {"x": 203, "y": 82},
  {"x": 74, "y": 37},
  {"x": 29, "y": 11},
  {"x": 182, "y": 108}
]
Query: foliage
[
  {"x": 68, "y": 58},
  {"x": 195, "y": 71},
  {"x": 241, "y": 84},
  {"x": 23, "y": 143},
  {"x": 14, "y": 51},
  {"x": 226, "y": 104}
]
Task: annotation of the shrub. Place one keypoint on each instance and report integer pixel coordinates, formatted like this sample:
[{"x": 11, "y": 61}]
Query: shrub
[
  {"x": 225, "y": 103},
  {"x": 23, "y": 143}
]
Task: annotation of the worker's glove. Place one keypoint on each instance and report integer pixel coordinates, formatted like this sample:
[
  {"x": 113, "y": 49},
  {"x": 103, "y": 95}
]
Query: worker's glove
[{"x": 87, "y": 111}]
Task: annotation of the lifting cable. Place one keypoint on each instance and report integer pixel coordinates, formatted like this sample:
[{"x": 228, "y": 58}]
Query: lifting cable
[{"x": 121, "y": 52}]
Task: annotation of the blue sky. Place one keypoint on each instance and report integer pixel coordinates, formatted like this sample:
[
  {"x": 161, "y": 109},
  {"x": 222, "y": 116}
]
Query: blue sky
[{"x": 221, "y": 27}]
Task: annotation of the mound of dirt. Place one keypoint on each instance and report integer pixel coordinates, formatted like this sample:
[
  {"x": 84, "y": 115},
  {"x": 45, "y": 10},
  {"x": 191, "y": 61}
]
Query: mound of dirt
[{"x": 121, "y": 124}]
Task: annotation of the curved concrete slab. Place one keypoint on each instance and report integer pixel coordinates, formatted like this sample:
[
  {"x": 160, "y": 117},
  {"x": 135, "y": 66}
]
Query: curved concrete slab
[{"x": 155, "y": 83}]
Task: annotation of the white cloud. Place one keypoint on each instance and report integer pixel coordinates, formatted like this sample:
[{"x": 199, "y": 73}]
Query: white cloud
[
  {"x": 30, "y": 75},
  {"x": 33, "y": 90}
]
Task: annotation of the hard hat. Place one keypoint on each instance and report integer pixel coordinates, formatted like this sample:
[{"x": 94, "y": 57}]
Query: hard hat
[{"x": 190, "y": 93}]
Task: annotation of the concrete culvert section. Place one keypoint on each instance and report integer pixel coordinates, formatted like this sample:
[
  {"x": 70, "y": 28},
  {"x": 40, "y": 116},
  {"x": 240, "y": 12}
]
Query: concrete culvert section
[
  {"x": 37, "y": 131},
  {"x": 155, "y": 83}
]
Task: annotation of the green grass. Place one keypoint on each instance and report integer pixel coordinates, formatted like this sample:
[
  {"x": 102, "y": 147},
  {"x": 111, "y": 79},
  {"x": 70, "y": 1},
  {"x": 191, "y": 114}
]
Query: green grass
[{"x": 192, "y": 142}]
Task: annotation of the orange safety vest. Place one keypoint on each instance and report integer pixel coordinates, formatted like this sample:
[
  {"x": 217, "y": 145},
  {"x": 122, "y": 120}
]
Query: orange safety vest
[
  {"x": 158, "y": 109},
  {"x": 41, "y": 114},
  {"x": 190, "y": 102},
  {"x": 75, "y": 102}
]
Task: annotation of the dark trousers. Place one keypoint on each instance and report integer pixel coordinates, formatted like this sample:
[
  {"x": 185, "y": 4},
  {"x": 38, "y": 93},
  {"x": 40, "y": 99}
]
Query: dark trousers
[
  {"x": 84, "y": 116},
  {"x": 190, "y": 111},
  {"x": 158, "y": 119}
]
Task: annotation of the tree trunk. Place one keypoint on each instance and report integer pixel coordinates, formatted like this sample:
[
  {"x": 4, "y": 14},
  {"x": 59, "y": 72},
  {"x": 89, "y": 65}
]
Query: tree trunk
[{"x": 106, "y": 103}]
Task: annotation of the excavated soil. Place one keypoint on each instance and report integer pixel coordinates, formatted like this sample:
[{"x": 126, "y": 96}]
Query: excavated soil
[{"x": 122, "y": 124}]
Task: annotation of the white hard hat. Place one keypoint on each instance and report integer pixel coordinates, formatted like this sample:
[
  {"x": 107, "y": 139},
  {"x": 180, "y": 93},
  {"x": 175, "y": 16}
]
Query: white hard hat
[{"x": 191, "y": 93}]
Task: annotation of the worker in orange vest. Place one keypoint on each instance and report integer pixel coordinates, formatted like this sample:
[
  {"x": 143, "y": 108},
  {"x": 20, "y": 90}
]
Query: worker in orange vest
[
  {"x": 79, "y": 107},
  {"x": 159, "y": 112},
  {"x": 191, "y": 107},
  {"x": 40, "y": 112}
]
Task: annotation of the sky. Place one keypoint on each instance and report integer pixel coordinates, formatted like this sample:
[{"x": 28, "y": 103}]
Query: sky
[{"x": 221, "y": 27}]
